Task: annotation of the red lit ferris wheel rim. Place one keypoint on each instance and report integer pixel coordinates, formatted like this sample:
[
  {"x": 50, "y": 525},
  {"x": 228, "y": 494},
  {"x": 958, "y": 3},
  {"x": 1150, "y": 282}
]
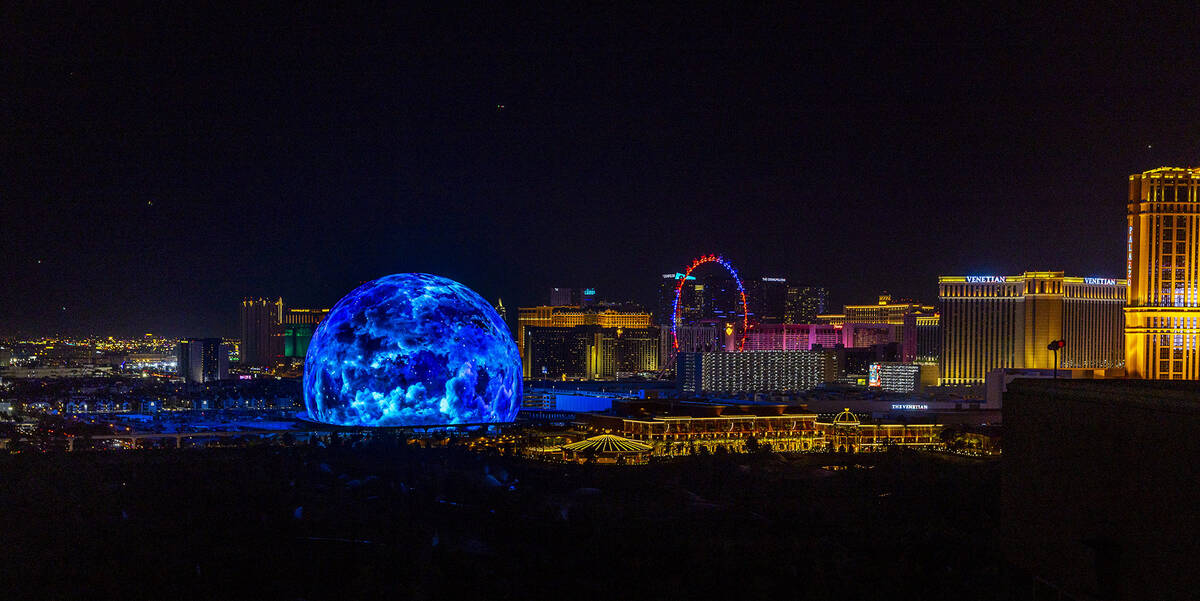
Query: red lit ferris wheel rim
[{"x": 677, "y": 316}]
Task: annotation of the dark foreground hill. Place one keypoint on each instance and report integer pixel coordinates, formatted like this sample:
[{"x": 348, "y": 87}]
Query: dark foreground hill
[{"x": 385, "y": 520}]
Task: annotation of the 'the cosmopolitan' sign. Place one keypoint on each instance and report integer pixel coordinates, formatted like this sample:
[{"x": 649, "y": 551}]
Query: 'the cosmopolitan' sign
[
  {"x": 1099, "y": 281},
  {"x": 986, "y": 279}
]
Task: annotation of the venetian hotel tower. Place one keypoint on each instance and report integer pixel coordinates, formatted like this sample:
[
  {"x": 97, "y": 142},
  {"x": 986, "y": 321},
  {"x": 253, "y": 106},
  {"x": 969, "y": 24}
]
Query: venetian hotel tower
[{"x": 1162, "y": 264}]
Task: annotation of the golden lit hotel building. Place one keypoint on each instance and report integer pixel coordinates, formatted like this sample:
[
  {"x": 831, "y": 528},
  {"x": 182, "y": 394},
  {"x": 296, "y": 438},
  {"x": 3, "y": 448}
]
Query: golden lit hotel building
[
  {"x": 913, "y": 325},
  {"x": 884, "y": 311},
  {"x": 1162, "y": 263},
  {"x": 991, "y": 322},
  {"x": 571, "y": 316}
]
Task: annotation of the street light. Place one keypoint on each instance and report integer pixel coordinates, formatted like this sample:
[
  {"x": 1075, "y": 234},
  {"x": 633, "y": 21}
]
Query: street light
[{"x": 1055, "y": 345}]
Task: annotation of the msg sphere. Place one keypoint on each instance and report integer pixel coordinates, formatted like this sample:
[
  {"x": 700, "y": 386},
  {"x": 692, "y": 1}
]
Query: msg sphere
[{"x": 412, "y": 349}]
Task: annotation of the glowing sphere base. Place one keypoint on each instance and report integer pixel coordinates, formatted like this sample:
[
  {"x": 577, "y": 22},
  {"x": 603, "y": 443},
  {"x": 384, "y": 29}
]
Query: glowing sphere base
[{"x": 412, "y": 349}]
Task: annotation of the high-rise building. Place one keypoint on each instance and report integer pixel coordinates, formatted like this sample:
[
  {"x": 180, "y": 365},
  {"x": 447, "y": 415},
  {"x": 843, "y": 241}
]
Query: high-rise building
[
  {"x": 589, "y": 351},
  {"x": 635, "y": 350},
  {"x": 553, "y": 352},
  {"x": 885, "y": 310},
  {"x": 768, "y": 299},
  {"x": 666, "y": 297},
  {"x": 718, "y": 298},
  {"x": 804, "y": 304},
  {"x": 1162, "y": 264},
  {"x": 259, "y": 320},
  {"x": 564, "y": 297},
  {"x": 297, "y": 330},
  {"x": 928, "y": 338},
  {"x": 755, "y": 371},
  {"x": 991, "y": 322},
  {"x": 570, "y": 316},
  {"x": 572, "y": 297},
  {"x": 202, "y": 360},
  {"x": 501, "y": 310},
  {"x": 906, "y": 317},
  {"x": 270, "y": 333}
]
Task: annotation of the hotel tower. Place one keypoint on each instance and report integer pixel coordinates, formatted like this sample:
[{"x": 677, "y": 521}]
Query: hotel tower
[
  {"x": 994, "y": 322},
  {"x": 1162, "y": 263}
]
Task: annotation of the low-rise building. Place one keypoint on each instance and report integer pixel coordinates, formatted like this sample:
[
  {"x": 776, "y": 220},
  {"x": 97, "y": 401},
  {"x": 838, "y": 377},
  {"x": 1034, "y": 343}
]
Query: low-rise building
[
  {"x": 755, "y": 371},
  {"x": 681, "y": 427}
]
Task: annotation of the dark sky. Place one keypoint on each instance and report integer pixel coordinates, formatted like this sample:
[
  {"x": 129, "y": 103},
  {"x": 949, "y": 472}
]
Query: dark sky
[{"x": 158, "y": 166}]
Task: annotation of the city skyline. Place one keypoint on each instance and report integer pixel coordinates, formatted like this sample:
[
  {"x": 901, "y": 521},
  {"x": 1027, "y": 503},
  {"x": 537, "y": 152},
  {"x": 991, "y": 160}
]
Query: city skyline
[
  {"x": 166, "y": 186},
  {"x": 837, "y": 301}
]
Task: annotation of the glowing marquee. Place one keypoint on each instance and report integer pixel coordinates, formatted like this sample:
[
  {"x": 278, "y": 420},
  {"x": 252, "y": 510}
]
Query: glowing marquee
[
  {"x": 1100, "y": 281},
  {"x": 986, "y": 279}
]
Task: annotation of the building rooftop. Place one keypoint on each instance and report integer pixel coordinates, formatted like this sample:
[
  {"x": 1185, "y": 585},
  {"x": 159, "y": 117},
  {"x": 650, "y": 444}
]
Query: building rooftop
[
  {"x": 1177, "y": 396},
  {"x": 608, "y": 443}
]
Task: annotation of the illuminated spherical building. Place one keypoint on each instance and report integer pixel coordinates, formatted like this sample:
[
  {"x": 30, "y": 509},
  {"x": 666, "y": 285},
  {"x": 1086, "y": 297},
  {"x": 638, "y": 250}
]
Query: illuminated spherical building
[{"x": 412, "y": 349}]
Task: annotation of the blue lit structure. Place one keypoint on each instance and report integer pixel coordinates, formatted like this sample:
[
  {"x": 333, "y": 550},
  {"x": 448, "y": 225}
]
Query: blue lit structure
[{"x": 412, "y": 349}]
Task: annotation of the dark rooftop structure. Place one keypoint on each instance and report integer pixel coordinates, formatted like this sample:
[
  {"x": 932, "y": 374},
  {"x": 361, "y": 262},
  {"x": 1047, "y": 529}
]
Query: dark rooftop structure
[{"x": 1100, "y": 496}]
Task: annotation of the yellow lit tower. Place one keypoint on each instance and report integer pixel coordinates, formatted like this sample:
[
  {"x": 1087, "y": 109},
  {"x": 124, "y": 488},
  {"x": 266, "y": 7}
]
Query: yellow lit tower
[{"x": 1162, "y": 262}]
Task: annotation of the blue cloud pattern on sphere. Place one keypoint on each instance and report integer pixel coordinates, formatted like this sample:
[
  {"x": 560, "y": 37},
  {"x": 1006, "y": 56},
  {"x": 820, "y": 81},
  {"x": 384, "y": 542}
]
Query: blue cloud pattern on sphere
[{"x": 412, "y": 349}]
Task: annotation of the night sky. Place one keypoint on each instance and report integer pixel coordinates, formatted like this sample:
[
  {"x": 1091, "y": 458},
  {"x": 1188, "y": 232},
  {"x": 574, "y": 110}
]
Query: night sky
[{"x": 158, "y": 166}]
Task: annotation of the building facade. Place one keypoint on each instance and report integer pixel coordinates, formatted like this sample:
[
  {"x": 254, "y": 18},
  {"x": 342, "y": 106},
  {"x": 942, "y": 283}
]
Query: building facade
[
  {"x": 710, "y": 427},
  {"x": 296, "y": 330},
  {"x": 911, "y": 322},
  {"x": 795, "y": 337},
  {"x": 991, "y": 322},
  {"x": 711, "y": 296},
  {"x": 259, "y": 320},
  {"x": 664, "y": 313},
  {"x": 202, "y": 360},
  {"x": 501, "y": 310},
  {"x": 928, "y": 335},
  {"x": 885, "y": 310},
  {"x": 768, "y": 299},
  {"x": 572, "y": 297},
  {"x": 804, "y": 304},
  {"x": 809, "y": 336},
  {"x": 754, "y": 371},
  {"x": 1163, "y": 269},
  {"x": 569, "y": 316},
  {"x": 589, "y": 352}
]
